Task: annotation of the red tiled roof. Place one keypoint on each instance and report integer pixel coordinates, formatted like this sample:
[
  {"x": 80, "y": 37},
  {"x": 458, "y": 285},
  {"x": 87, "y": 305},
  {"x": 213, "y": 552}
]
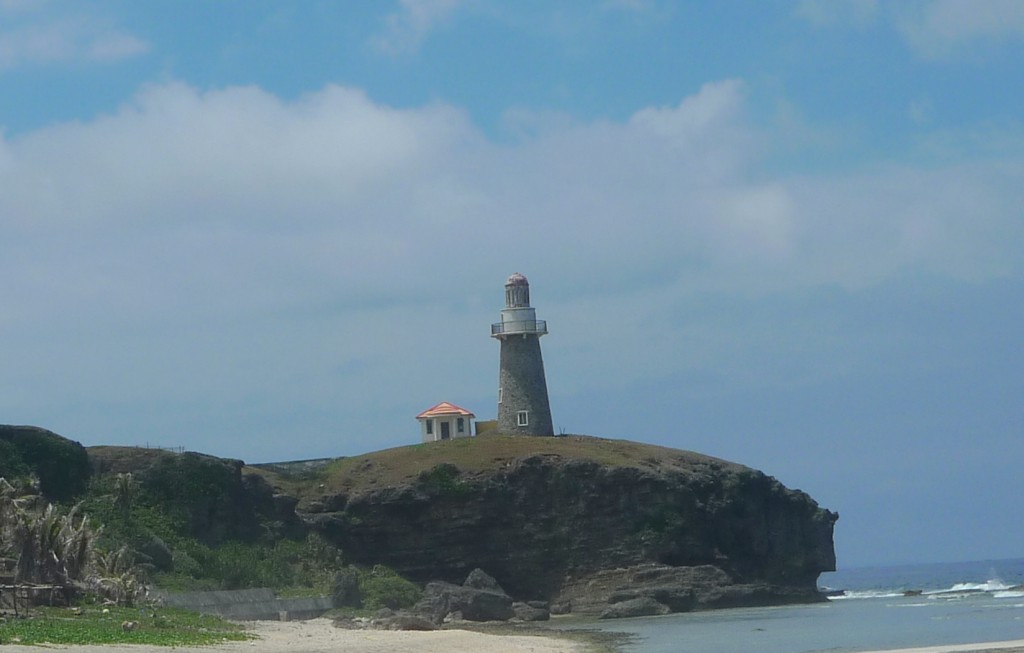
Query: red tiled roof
[{"x": 445, "y": 408}]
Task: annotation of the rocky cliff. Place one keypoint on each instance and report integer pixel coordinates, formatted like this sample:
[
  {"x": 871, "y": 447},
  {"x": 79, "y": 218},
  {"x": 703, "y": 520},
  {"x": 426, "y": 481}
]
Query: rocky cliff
[
  {"x": 582, "y": 521},
  {"x": 211, "y": 497},
  {"x": 590, "y": 525},
  {"x": 61, "y": 465}
]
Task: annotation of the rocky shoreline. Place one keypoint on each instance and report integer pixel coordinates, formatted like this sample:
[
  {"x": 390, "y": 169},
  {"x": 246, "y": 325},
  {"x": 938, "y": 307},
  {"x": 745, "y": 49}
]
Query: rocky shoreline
[{"x": 644, "y": 590}]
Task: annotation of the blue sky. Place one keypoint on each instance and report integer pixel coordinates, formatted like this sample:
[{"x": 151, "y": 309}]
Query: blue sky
[{"x": 788, "y": 234}]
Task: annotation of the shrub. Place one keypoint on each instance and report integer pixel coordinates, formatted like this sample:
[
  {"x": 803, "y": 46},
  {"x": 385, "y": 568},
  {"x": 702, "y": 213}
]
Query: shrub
[
  {"x": 444, "y": 480},
  {"x": 382, "y": 587}
]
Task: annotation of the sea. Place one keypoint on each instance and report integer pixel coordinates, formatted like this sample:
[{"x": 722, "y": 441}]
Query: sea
[{"x": 870, "y": 609}]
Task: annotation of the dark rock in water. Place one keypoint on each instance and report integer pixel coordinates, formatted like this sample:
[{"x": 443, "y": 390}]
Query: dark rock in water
[
  {"x": 528, "y": 612},
  {"x": 913, "y": 592},
  {"x": 681, "y": 589},
  {"x": 543, "y": 515},
  {"x": 643, "y": 606}
]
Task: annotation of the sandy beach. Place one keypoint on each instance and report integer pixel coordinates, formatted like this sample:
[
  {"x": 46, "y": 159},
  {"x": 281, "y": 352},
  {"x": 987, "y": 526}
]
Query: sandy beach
[
  {"x": 1013, "y": 646},
  {"x": 320, "y": 636}
]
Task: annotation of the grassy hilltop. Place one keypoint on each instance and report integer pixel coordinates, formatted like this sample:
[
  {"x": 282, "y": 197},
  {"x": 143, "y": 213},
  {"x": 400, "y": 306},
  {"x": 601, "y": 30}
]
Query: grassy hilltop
[{"x": 481, "y": 456}]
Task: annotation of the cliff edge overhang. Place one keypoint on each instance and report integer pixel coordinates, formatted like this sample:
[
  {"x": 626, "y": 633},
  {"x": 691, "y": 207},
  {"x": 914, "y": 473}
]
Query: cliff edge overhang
[{"x": 587, "y": 522}]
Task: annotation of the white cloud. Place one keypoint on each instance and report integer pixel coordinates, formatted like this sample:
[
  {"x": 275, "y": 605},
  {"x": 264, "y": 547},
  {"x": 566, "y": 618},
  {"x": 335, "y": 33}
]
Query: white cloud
[
  {"x": 406, "y": 29},
  {"x": 335, "y": 188},
  {"x": 37, "y": 38},
  {"x": 932, "y": 28},
  {"x": 941, "y": 27},
  {"x": 236, "y": 253}
]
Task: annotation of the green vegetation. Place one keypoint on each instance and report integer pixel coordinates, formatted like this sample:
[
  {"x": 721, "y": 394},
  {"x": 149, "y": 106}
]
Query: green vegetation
[
  {"x": 57, "y": 547},
  {"x": 60, "y": 465},
  {"x": 161, "y": 531},
  {"x": 186, "y": 521},
  {"x": 11, "y": 464},
  {"x": 363, "y": 591},
  {"x": 96, "y": 625},
  {"x": 444, "y": 481},
  {"x": 178, "y": 521},
  {"x": 382, "y": 587},
  {"x": 296, "y": 567}
]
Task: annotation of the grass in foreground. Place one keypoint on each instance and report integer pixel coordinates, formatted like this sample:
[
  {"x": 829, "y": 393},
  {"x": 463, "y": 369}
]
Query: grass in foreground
[{"x": 160, "y": 627}]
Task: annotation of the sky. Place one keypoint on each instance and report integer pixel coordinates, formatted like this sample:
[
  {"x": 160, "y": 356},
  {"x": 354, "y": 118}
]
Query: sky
[{"x": 787, "y": 234}]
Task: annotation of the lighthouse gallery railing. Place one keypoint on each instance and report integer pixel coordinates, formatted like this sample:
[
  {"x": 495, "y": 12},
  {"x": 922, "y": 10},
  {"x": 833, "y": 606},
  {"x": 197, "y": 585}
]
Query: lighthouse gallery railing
[{"x": 539, "y": 327}]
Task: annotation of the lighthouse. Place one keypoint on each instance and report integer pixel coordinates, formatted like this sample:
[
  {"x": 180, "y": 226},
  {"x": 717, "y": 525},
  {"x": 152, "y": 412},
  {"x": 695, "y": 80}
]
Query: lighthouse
[{"x": 523, "y": 407}]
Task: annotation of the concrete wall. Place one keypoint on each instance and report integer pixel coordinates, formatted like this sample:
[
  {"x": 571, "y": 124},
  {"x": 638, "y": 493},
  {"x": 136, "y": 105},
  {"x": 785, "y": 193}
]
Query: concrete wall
[
  {"x": 453, "y": 427},
  {"x": 247, "y": 605}
]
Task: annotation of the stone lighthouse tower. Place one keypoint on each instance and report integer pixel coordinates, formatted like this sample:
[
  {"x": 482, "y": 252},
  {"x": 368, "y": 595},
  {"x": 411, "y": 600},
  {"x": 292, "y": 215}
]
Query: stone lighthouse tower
[{"x": 523, "y": 407}]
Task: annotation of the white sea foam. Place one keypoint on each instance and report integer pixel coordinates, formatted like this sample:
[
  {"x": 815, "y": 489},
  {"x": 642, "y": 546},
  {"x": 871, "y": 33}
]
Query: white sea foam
[
  {"x": 993, "y": 587},
  {"x": 867, "y": 594},
  {"x": 1007, "y": 594}
]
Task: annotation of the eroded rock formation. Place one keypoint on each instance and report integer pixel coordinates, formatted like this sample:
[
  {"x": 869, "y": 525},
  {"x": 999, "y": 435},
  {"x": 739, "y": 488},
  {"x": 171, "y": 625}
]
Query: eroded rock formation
[{"x": 584, "y": 522}]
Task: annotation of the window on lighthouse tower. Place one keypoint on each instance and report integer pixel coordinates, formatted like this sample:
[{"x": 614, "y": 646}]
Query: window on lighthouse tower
[{"x": 523, "y": 418}]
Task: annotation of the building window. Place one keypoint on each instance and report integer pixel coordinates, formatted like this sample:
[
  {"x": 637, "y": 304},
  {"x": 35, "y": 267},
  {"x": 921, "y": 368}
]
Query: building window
[
  {"x": 523, "y": 418},
  {"x": 460, "y": 426},
  {"x": 500, "y": 393},
  {"x": 430, "y": 427}
]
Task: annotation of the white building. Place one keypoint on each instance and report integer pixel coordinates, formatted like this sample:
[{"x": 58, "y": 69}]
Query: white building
[{"x": 445, "y": 421}]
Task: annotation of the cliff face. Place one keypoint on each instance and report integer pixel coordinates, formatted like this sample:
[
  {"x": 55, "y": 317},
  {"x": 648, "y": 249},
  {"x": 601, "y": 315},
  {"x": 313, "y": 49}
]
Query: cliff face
[
  {"x": 593, "y": 525},
  {"x": 543, "y": 515},
  {"x": 215, "y": 500},
  {"x": 61, "y": 465}
]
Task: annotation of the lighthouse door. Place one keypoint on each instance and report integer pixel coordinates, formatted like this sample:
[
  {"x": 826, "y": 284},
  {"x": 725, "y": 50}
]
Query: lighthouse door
[{"x": 446, "y": 430}]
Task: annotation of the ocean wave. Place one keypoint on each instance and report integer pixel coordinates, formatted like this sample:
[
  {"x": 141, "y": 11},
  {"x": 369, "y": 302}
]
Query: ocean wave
[
  {"x": 991, "y": 585},
  {"x": 994, "y": 587},
  {"x": 1008, "y": 594},
  {"x": 867, "y": 594}
]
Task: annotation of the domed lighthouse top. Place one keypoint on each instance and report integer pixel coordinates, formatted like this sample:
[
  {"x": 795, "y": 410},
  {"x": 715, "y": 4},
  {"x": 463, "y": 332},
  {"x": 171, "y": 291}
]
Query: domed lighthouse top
[
  {"x": 518, "y": 317},
  {"x": 517, "y": 292}
]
